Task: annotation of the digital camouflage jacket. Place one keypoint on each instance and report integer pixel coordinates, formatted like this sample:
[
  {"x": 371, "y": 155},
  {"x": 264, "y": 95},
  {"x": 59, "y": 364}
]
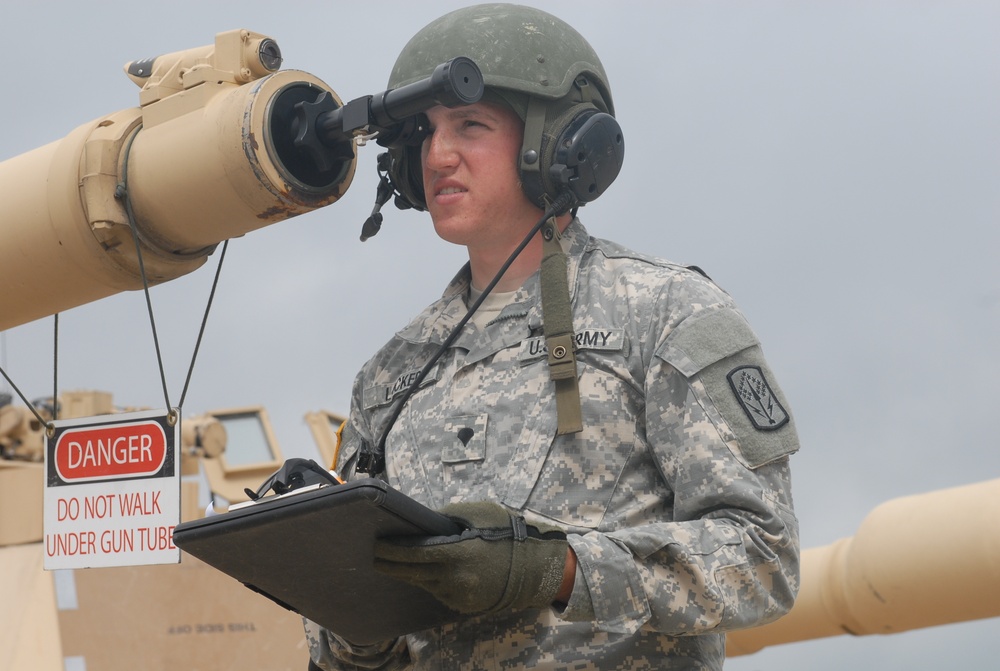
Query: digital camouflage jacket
[{"x": 675, "y": 496}]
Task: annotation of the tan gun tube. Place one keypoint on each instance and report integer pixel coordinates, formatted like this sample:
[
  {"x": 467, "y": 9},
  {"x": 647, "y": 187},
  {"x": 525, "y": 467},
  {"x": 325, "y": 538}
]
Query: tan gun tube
[
  {"x": 917, "y": 561},
  {"x": 203, "y": 160}
]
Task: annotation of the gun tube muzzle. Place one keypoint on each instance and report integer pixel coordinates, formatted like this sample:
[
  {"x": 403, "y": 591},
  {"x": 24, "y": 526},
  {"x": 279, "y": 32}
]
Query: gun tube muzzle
[{"x": 194, "y": 179}]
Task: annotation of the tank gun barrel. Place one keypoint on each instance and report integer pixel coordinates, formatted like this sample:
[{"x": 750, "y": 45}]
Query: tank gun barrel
[
  {"x": 917, "y": 561},
  {"x": 208, "y": 155}
]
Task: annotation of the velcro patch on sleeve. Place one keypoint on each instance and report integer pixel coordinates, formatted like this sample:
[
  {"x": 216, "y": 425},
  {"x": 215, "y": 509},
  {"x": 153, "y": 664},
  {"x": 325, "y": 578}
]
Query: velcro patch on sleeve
[
  {"x": 721, "y": 356},
  {"x": 702, "y": 340}
]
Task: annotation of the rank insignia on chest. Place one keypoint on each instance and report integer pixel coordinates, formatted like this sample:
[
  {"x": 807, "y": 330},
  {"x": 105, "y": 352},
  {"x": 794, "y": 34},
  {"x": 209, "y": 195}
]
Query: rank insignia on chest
[{"x": 756, "y": 398}]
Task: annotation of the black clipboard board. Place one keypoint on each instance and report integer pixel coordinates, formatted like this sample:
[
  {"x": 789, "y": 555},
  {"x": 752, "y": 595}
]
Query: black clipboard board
[{"x": 311, "y": 552}]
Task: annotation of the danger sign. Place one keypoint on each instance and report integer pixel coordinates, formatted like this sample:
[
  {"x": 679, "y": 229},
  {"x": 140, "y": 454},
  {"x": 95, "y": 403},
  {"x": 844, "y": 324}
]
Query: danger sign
[
  {"x": 112, "y": 491},
  {"x": 110, "y": 452}
]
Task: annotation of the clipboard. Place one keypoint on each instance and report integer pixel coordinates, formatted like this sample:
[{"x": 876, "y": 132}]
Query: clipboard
[{"x": 311, "y": 552}]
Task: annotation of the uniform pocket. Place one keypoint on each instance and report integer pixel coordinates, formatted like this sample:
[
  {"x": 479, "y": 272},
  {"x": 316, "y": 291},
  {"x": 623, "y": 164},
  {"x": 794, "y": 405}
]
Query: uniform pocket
[{"x": 573, "y": 478}]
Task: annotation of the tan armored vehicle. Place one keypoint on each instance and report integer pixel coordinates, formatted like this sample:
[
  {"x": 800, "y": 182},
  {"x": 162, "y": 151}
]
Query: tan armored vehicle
[{"x": 145, "y": 195}]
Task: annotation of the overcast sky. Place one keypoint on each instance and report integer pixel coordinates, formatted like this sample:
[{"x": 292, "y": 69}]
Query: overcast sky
[{"x": 834, "y": 165}]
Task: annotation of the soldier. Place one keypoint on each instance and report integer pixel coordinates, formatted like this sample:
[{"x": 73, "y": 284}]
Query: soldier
[{"x": 624, "y": 515}]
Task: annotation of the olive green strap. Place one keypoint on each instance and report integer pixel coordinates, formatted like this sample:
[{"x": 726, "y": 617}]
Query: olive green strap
[
  {"x": 557, "y": 325},
  {"x": 534, "y": 127}
]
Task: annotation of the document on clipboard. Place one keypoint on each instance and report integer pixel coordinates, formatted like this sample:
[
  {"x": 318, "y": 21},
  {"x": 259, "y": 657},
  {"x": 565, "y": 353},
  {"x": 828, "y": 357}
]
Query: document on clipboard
[{"x": 312, "y": 552}]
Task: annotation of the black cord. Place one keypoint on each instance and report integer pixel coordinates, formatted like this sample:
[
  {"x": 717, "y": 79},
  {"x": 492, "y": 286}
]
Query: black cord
[
  {"x": 121, "y": 193},
  {"x": 55, "y": 367},
  {"x": 204, "y": 322}
]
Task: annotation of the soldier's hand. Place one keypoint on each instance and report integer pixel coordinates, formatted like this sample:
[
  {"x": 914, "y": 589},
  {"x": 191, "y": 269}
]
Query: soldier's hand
[{"x": 497, "y": 563}]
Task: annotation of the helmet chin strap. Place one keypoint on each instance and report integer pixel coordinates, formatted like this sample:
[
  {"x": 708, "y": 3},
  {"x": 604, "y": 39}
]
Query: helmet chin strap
[
  {"x": 530, "y": 163},
  {"x": 555, "y": 297}
]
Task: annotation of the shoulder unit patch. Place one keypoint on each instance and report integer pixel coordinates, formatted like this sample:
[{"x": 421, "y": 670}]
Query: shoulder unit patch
[{"x": 756, "y": 398}]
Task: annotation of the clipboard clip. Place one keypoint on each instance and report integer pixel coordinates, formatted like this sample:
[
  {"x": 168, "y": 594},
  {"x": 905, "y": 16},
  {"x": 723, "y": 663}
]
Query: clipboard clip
[{"x": 294, "y": 474}]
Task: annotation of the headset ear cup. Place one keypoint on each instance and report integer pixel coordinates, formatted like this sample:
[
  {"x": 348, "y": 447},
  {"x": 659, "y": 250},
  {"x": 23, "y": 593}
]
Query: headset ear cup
[
  {"x": 581, "y": 151},
  {"x": 406, "y": 176},
  {"x": 587, "y": 156},
  {"x": 414, "y": 178}
]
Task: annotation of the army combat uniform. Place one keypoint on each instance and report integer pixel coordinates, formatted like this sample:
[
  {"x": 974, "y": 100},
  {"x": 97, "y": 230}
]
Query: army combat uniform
[{"x": 675, "y": 496}]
